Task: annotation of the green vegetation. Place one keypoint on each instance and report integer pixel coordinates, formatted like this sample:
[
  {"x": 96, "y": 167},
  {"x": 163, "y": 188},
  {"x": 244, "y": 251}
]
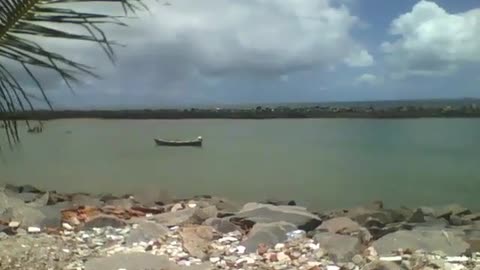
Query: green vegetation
[
  {"x": 22, "y": 23},
  {"x": 262, "y": 113}
]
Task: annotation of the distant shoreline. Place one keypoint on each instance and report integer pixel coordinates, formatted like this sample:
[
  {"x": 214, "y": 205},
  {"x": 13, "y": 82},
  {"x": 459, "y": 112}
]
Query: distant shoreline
[{"x": 471, "y": 111}]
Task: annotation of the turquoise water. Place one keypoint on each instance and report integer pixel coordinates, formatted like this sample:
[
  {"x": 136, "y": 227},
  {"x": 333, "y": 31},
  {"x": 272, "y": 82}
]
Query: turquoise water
[{"x": 323, "y": 163}]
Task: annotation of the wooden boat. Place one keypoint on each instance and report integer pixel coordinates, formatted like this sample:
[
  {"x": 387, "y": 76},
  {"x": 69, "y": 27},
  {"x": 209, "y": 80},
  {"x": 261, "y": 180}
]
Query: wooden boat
[{"x": 197, "y": 142}]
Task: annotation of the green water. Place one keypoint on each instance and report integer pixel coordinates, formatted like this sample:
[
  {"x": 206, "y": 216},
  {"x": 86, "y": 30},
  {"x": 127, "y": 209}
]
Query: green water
[{"x": 322, "y": 163}]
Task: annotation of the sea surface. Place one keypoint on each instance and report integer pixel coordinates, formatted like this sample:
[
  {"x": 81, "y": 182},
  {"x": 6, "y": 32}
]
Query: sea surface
[{"x": 320, "y": 163}]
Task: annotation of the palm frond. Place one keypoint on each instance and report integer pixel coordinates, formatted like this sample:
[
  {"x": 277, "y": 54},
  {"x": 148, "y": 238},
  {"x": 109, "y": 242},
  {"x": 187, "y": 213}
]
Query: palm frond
[{"x": 21, "y": 23}]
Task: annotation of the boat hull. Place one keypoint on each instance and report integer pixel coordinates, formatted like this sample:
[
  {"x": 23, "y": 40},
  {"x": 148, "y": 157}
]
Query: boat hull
[{"x": 197, "y": 143}]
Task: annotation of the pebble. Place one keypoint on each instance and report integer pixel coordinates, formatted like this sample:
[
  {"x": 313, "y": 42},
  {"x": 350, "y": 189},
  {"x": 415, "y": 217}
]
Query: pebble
[
  {"x": 67, "y": 226},
  {"x": 14, "y": 224},
  {"x": 33, "y": 229},
  {"x": 391, "y": 259}
]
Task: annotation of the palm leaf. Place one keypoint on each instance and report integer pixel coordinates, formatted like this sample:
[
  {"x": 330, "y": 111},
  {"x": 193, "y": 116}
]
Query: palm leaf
[{"x": 21, "y": 23}]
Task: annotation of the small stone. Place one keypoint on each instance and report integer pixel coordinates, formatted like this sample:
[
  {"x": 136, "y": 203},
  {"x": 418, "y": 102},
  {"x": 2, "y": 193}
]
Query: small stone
[
  {"x": 282, "y": 257},
  {"x": 262, "y": 249},
  {"x": 333, "y": 267},
  {"x": 67, "y": 226},
  {"x": 14, "y": 224},
  {"x": 176, "y": 207},
  {"x": 214, "y": 259},
  {"x": 241, "y": 249},
  {"x": 454, "y": 266},
  {"x": 279, "y": 246},
  {"x": 370, "y": 251},
  {"x": 320, "y": 254},
  {"x": 457, "y": 259},
  {"x": 34, "y": 230},
  {"x": 391, "y": 259},
  {"x": 358, "y": 260}
]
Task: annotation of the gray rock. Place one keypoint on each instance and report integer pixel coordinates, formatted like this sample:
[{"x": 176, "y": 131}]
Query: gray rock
[
  {"x": 27, "y": 216},
  {"x": 472, "y": 237},
  {"x": 452, "y": 209},
  {"x": 196, "y": 240},
  {"x": 53, "y": 214},
  {"x": 417, "y": 217},
  {"x": 222, "y": 204},
  {"x": 340, "y": 248},
  {"x": 450, "y": 242},
  {"x": 268, "y": 234},
  {"x": 131, "y": 261},
  {"x": 432, "y": 223},
  {"x": 174, "y": 218},
  {"x": 9, "y": 202},
  {"x": 202, "y": 214},
  {"x": 22, "y": 189},
  {"x": 279, "y": 202},
  {"x": 266, "y": 213},
  {"x": 358, "y": 260},
  {"x": 362, "y": 214},
  {"x": 472, "y": 217},
  {"x": 399, "y": 215},
  {"x": 221, "y": 225},
  {"x": 25, "y": 197},
  {"x": 40, "y": 201},
  {"x": 121, "y": 203},
  {"x": 55, "y": 198},
  {"x": 86, "y": 200},
  {"x": 379, "y": 265},
  {"x": 341, "y": 225},
  {"x": 104, "y": 221},
  {"x": 145, "y": 232},
  {"x": 459, "y": 221}
]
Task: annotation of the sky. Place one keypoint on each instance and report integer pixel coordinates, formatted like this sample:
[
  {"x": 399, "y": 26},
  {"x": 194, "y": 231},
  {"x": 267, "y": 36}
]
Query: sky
[{"x": 267, "y": 51}]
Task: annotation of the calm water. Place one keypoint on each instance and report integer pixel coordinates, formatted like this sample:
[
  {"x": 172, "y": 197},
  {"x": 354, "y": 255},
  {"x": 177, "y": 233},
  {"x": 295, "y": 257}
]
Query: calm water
[{"x": 322, "y": 163}]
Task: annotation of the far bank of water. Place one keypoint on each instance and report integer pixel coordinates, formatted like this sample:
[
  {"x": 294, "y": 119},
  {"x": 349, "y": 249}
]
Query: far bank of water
[{"x": 323, "y": 163}]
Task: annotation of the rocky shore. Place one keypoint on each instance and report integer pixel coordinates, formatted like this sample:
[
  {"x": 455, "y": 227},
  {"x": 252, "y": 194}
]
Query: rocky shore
[{"x": 49, "y": 230}]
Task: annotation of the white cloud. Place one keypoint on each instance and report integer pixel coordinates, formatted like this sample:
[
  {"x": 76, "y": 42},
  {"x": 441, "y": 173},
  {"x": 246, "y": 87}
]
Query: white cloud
[
  {"x": 257, "y": 37},
  {"x": 432, "y": 41},
  {"x": 368, "y": 79},
  {"x": 360, "y": 58}
]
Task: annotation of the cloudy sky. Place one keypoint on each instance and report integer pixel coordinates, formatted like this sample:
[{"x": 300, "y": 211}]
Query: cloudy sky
[{"x": 255, "y": 51}]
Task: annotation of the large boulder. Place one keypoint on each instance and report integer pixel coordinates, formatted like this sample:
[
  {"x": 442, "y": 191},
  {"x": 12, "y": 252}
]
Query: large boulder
[
  {"x": 22, "y": 188},
  {"x": 266, "y": 213},
  {"x": 196, "y": 240},
  {"x": 221, "y": 225},
  {"x": 86, "y": 200},
  {"x": 40, "y": 201},
  {"x": 25, "y": 197},
  {"x": 26, "y": 215},
  {"x": 102, "y": 221},
  {"x": 145, "y": 232},
  {"x": 448, "y": 241},
  {"x": 174, "y": 218},
  {"x": 9, "y": 202},
  {"x": 267, "y": 234},
  {"x": 363, "y": 214},
  {"x": 340, "y": 248},
  {"x": 340, "y": 225},
  {"x": 451, "y": 209}
]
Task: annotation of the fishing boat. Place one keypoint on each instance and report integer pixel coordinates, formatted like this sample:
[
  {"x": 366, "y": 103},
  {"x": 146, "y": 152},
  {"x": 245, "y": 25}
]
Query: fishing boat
[{"x": 197, "y": 142}]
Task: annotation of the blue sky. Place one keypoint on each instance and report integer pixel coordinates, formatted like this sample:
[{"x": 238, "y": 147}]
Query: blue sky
[{"x": 255, "y": 51}]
